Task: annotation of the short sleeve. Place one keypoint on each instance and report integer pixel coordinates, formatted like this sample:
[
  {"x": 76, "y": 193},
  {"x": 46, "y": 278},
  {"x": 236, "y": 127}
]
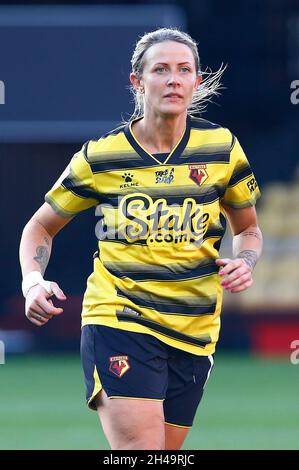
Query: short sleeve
[
  {"x": 75, "y": 190},
  {"x": 242, "y": 189}
]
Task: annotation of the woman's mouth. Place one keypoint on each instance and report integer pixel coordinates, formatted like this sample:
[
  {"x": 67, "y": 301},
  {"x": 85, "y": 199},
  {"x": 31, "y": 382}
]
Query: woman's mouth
[{"x": 173, "y": 96}]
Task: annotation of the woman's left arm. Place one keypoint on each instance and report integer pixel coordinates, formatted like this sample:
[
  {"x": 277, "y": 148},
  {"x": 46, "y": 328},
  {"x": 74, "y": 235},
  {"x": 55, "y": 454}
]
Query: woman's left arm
[{"x": 247, "y": 248}]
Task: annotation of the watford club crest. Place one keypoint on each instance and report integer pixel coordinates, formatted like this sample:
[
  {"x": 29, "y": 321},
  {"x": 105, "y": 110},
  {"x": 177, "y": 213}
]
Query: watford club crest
[
  {"x": 119, "y": 365},
  {"x": 198, "y": 173}
]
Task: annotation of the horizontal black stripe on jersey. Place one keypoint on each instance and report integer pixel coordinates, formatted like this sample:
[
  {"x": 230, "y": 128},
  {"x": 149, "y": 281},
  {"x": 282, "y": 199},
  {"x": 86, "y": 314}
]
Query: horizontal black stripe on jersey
[
  {"x": 125, "y": 242},
  {"x": 208, "y": 149},
  {"x": 239, "y": 175},
  {"x": 199, "y": 123},
  {"x": 142, "y": 275},
  {"x": 99, "y": 167},
  {"x": 244, "y": 204},
  {"x": 164, "y": 330},
  {"x": 79, "y": 189},
  {"x": 213, "y": 232},
  {"x": 205, "y": 158},
  {"x": 121, "y": 158},
  {"x": 203, "y": 198},
  {"x": 175, "y": 308}
]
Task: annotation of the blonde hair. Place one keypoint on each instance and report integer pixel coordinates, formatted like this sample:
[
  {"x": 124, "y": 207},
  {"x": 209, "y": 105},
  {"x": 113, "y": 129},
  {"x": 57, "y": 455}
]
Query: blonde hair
[{"x": 211, "y": 80}]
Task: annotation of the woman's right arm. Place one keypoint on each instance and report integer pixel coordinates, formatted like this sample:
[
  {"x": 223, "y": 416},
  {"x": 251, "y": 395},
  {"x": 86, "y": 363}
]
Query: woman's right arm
[{"x": 35, "y": 251}]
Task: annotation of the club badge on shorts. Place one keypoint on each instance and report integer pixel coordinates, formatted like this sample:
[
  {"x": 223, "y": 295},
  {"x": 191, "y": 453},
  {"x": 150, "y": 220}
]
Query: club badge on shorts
[
  {"x": 198, "y": 173},
  {"x": 119, "y": 365}
]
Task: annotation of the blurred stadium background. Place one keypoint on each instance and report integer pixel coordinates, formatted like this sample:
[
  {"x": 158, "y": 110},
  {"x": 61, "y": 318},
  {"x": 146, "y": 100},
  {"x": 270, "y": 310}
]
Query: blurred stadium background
[{"x": 64, "y": 79}]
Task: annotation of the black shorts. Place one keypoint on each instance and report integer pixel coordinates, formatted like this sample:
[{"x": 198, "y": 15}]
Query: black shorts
[{"x": 138, "y": 365}]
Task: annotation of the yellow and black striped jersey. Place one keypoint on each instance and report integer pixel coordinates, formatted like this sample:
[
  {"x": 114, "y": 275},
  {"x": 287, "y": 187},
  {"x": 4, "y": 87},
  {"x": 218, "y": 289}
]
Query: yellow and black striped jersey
[{"x": 160, "y": 225}]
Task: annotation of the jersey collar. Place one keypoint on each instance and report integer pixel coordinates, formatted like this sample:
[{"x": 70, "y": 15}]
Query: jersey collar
[{"x": 148, "y": 157}]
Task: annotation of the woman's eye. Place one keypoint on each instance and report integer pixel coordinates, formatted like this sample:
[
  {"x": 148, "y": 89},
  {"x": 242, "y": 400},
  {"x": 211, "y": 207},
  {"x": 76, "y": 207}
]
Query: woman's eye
[{"x": 165, "y": 69}]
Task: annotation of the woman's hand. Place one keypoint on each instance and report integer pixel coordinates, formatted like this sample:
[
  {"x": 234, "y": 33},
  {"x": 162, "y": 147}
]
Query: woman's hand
[
  {"x": 39, "y": 308},
  {"x": 236, "y": 274}
]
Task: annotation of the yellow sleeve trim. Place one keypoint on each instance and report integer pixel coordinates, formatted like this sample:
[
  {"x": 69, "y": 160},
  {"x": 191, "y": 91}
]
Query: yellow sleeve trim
[
  {"x": 137, "y": 398},
  {"x": 178, "y": 425}
]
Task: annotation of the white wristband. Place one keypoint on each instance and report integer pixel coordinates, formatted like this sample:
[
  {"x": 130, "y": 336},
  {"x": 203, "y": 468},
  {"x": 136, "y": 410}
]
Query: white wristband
[{"x": 33, "y": 279}]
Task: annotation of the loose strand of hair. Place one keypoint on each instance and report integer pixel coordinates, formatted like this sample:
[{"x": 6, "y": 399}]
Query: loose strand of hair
[{"x": 209, "y": 87}]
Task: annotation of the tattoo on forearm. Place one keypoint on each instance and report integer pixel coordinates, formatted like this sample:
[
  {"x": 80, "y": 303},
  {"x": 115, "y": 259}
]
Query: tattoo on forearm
[
  {"x": 249, "y": 256},
  {"x": 249, "y": 233},
  {"x": 42, "y": 257}
]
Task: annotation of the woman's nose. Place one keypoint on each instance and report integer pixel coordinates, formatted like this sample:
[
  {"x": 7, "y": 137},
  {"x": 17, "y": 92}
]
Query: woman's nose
[{"x": 173, "y": 79}]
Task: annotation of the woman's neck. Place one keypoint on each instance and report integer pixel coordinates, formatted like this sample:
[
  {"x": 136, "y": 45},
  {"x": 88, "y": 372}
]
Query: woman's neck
[{"x": 159, "y": 134}]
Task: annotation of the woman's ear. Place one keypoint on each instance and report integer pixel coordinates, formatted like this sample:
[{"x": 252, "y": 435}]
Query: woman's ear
[
  {"x": 198, "y": 81},
  {"x": 135, "y": 81}
]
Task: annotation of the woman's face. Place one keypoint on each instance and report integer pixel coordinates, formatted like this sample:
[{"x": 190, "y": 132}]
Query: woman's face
[{"x": 169, "y": 78}]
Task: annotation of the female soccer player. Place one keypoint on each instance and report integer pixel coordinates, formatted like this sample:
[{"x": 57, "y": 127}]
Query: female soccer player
[{"x": 166, "y": 182}]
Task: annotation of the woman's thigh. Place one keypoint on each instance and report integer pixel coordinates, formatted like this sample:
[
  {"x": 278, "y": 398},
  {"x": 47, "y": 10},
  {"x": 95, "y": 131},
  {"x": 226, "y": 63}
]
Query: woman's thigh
[{"x": 131, "y": 423}]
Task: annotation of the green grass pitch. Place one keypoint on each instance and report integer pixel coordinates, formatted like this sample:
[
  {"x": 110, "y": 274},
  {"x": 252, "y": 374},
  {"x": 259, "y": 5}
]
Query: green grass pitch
[{"x": 249, "y": 403}]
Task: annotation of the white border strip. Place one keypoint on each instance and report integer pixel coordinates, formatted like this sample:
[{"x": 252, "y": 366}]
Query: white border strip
[{"x": 210, "y": 370}]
